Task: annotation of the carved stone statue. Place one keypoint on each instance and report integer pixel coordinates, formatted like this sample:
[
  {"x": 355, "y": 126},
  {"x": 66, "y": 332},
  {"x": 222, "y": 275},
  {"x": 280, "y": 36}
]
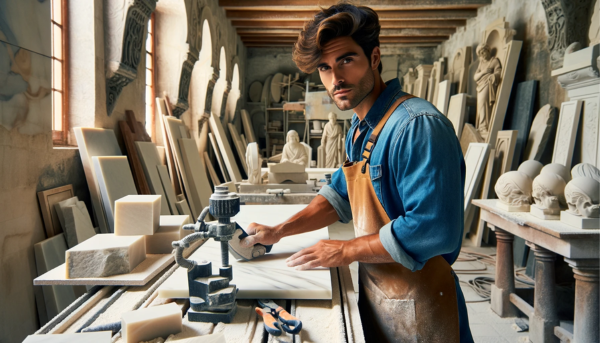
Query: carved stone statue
[
  {"x": 548, "y": 194},
  {"x": 253, "y": 162},
  {"x": 331, "y": 143},
  {"x": 487, "y": 77},
  {"x": 293, "y": 150},
  {"x": 514, "y": 191},
  {"x": 583, "y": 195},
  {"x": 558, "y": 169}
]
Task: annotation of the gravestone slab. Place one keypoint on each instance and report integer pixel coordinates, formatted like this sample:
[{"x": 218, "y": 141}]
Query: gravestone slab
[{"x": 519, "y": 117}]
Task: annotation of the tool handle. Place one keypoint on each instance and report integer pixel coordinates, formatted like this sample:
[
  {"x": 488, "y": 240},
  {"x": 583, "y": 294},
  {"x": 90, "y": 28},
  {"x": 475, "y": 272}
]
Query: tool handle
[
  {"x": 289, "y": 321},
  {"x": 271, "y": 324}
]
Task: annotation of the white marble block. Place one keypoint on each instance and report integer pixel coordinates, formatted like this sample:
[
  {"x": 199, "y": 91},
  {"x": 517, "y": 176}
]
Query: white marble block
[
  {"x": 171, "y": 229},
  {"x": 87, "y": 337},
  {"x": 105, "y": 255},
  {"x": 137, "y": 215},
  {"x": 115, "y": 181},
  {"x": 151, "y": 322}
]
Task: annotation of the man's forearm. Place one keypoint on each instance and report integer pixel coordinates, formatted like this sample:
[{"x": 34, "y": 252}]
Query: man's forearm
[
  {"x": 318, "y": 214},
  {"x": 366, "y": 249}
]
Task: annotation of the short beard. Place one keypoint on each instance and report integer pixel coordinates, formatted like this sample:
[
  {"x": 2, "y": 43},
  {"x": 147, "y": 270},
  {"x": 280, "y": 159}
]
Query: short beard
[{"x": 362, "y": 90}]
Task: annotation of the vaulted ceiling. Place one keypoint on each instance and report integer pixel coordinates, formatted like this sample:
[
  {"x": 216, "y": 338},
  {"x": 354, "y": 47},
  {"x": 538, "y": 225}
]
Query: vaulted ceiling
[{"x": 265, "y": 23}]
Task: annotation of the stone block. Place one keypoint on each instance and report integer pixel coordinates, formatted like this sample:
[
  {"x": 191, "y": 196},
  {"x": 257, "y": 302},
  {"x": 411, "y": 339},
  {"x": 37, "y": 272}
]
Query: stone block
[
  {"x": 278, "y": 178},
  {"x": 150, "y": 323},
  {"x": 137, "y": 215},
  {"x": 170, "y": 229},
  {"x": 105, "y": 255},
  {"x": 88, "y": 337},
  {"x": 286, "y": 167}
]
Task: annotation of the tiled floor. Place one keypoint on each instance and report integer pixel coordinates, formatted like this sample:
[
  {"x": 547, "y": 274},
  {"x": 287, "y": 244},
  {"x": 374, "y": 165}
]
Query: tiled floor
[{"x": 486, "y": 326}]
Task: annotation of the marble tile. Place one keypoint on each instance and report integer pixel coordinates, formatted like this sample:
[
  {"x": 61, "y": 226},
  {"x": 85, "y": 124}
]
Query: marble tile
[
  {"x": 49, "y": 254},
  {"x": 78, "y": 225},
  {"x": 87, "y": 337},
  {"x": 217, "y": 129},
  {"x": 268, "y": 276},
  {"x": 457, "y": 110},
  {"x": 96, "y": 142},
  {"x": 169, "y": 192},
  {"x": 248, "y": 129},
  {"x": 443, "y": 96},
  {"x": 566, "y": 132},
  {"x": 196, "y": 172},
  {"x": 105, "y": 255},
  {"x": 519, "y": 117},
  {"x": 59, "y": 212},
  {"x": 539, "y": 133},
  {"x": 137, "y": 215},
  {"x": 239, "y": 146},
  {"x": 115, "y": 182},
  {"x": 150, "y": 159},
  {"x": 151, "y": 322},
  {"x": 475, "y": 161},
  {"x": 184, "y": 208},
  {"x": 211, "y": 170}
]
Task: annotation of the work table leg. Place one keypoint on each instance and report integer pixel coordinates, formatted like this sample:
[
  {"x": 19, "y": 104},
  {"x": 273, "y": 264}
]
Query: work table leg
[
  {"x": 587, "y": 305},
  {"x": 545, "y": 315},
  {"x": 505, "y": 278}
]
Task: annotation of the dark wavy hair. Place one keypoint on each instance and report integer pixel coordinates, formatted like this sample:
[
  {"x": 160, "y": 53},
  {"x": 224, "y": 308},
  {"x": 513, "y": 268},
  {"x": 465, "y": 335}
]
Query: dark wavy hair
[{"x": 341, "y": 20}]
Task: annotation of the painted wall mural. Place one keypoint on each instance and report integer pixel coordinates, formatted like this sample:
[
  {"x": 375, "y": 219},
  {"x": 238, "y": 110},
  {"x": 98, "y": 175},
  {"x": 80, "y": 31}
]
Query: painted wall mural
[{"x": 25, "y": 66}]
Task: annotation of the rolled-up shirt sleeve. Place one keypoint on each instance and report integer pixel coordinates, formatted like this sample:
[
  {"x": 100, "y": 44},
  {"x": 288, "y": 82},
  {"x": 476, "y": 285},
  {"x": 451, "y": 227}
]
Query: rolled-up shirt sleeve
[
  {"x": 337, "y": 195},
  {"x": 427, "y": 166}
]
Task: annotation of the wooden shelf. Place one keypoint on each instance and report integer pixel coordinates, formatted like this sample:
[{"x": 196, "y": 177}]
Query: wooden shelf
[
  {"x": 274, "y": 108},
  {"x": 297, "y": 121}
]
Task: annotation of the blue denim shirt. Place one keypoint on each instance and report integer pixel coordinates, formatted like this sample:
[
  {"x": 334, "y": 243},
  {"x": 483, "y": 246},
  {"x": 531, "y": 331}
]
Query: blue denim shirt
[{"x": 418, "y": 172}]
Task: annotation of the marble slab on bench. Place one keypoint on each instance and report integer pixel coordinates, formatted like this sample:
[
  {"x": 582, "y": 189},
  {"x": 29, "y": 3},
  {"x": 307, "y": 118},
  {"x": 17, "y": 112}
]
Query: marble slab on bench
[{"x": 268, "y": 276}]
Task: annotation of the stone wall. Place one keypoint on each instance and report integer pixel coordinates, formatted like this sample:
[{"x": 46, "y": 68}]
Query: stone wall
[{"x": 28, "y": 160}]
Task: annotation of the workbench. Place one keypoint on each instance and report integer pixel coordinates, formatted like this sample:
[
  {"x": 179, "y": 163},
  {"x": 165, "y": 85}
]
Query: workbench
[
  {"x": 547, "y": 238},
  {"x": 335, "y": 320}
]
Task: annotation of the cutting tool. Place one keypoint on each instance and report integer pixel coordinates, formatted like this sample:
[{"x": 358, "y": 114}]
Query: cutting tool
[{"x": 270, "y": 312}]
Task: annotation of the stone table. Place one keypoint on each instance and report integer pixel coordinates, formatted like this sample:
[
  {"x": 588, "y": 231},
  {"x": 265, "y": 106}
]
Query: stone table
[{"x": 546, "y": 238}]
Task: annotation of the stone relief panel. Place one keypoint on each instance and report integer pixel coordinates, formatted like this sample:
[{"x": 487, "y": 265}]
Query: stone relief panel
[
  {"x": 458, "y": 70},
  {"x": 125, "y": 23},
  {"x": 566, "y": 132},
  {"x": 564, "y": 20}
]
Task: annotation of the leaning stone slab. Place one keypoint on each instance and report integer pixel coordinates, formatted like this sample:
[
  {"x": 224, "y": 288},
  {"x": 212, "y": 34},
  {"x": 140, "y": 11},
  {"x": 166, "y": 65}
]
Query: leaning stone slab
[{"x": 105, "y": 255}]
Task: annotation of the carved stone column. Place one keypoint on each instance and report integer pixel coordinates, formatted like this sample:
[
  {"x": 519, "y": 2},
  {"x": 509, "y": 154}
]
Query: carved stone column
[
  {"x": 505, "y": 277},
  {"x": 125, "y": 23},
  {"x": 182, "y": 103},
  {"x": 224, "y": 102},
  {"x": 565, "y": 20},
  {"x": 209, "y": 96},
  {"x": 545, "y": 316},
  {"x": 587, "y": 304}
]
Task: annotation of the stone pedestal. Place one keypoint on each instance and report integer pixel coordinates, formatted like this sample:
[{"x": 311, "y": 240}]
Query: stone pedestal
[
  {"x": 587, "y": 304},
  {"x": 545, "y": 317},
  {"x": 505, "y": 277}
]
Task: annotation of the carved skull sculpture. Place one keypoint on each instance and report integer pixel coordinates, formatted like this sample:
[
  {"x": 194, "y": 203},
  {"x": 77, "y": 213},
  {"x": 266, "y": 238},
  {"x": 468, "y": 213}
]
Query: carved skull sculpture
[
  {"x": 587, "y": 170},
  {"x": 531, "y": 167},
  {"x": 558, "y": 169},
  {"x": 514, "y": 188},
  {"x": 548, "y": 192},
  {"x": 583, "y": 195}
]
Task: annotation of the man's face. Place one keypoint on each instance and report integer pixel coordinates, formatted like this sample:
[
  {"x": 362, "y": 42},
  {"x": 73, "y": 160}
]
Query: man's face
[{"x": 346, "y": 72}]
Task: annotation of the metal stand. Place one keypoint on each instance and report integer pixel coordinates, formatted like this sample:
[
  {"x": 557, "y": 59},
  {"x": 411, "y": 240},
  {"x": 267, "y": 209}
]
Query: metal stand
[{"x": 212, "y": 297}]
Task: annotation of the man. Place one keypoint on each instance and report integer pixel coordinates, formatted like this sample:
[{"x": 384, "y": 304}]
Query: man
[{"x": 402, "y": 185}]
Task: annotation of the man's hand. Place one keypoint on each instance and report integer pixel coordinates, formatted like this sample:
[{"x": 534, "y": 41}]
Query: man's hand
[
  {"x": 263, "y": 234},
  {"x": 326, "y": 253}
]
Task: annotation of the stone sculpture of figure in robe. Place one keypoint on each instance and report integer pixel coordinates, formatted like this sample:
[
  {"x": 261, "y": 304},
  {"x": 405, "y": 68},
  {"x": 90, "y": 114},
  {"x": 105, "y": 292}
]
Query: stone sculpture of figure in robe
[
  {"x": 293, "y": 150},
  {"x": 331, "y": 143},
  {"x": 488, "y": 78}
]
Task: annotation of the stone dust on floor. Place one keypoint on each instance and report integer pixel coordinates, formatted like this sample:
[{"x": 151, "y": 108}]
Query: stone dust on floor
[{"x": 486, "y": 326}]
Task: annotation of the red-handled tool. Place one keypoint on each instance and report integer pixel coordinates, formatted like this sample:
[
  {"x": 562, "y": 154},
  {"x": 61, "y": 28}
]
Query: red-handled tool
[
  {"x": 290, "y": 324},
  {"x": 271, "y": 324}
]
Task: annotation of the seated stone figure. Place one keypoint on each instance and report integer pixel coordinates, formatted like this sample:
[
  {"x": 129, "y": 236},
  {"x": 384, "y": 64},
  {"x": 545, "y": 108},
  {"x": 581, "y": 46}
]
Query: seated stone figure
[{"x": 293, "y": 150}]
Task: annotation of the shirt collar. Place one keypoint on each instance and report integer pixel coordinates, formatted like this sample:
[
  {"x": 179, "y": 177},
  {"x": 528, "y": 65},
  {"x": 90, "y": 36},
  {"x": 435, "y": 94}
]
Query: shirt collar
[{"x": 381, "y": 105}]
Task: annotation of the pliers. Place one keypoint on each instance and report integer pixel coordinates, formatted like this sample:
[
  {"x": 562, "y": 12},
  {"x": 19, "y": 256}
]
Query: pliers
[{"x": 270, "y": 312}]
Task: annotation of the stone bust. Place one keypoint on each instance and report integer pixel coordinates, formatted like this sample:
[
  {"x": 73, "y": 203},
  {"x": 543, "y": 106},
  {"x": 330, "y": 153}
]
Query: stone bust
[
  {"x": 514, "y": 189},
  {"x": 583, "y": 197},
  {"x": 293, "y": 150},
  {"x": 331, "y": 142},
  {"x": 487, "y": 77},
  {"x": 587, "y": 170}
]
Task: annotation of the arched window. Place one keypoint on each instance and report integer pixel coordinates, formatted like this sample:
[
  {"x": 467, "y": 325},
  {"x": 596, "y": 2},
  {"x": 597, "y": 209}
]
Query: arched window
[
  {"x": 150, "y": 93},
  {"x": 59, "y": 69}
]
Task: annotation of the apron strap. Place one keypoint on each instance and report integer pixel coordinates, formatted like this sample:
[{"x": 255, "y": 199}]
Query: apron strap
[{"x": 375, "y": 134}]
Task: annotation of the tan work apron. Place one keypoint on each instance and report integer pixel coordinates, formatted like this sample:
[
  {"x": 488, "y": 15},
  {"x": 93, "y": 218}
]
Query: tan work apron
[{"x": 396, "y": 304}]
